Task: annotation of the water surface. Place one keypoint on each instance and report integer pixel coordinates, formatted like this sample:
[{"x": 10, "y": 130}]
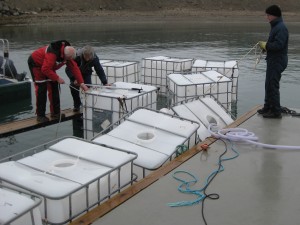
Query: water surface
[{"x": 124, "y": 41}]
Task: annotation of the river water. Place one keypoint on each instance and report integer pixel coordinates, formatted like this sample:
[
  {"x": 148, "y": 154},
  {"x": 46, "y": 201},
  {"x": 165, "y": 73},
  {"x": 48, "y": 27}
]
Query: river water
[{"x": 134, "y": 41}]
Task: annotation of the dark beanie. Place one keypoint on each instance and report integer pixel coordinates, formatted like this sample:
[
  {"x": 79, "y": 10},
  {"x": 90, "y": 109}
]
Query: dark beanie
[{"x": 274, "y": 10}]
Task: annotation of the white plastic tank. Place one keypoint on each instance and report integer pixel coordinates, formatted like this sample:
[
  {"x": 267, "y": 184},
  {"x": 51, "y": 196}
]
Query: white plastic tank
[
  {"x": 104, "y": 106},
  {"x": 147, "y": 159},
  {"x": 229, "y": 69},
  {"x": 75, "y": 169},
  {"x": 154, "y": 136},
  {"x": 185, "y": 86},
  {"x": 95, "y": 78},
  {"x": 101, "y": 155},
  {"x": 16, "y": 208},
  {"x": 43, "y": 183},
  {"x": 155, "y": 69},
  {"x": 204, "y": 110},
  {"x": 125, "y": 71},
  {"x": 118, "y": 70}
]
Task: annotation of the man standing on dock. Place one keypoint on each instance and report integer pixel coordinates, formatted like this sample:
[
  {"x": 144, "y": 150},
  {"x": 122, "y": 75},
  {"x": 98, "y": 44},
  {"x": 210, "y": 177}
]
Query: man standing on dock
[
  {"x": 276, "y": 49},
  {"x": 43, "y": 64}
]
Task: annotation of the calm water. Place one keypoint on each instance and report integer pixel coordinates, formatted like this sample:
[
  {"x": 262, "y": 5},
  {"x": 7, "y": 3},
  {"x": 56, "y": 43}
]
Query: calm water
[{"x": 119, "y": 41}]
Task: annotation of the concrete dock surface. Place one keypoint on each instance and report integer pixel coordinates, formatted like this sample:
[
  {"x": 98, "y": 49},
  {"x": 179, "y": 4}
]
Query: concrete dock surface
[{"x": 259, "y": 187}]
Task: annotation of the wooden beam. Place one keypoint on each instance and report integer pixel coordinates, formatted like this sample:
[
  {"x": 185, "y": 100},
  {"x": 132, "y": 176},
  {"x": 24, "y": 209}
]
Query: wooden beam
[
  {"x": 19, "y": 126},
  {"x": 118, "y": 199}
]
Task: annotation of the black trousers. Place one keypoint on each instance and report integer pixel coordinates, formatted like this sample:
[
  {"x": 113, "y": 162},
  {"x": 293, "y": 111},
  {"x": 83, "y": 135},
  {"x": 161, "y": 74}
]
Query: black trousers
[
  {"x": 75, "y": 94},
  {"x": 272, "y": 84},
  {"x": 41, "y": 89}
]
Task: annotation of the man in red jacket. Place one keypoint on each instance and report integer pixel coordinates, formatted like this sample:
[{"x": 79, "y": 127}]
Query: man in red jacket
[{"x": 43, "y": 63}]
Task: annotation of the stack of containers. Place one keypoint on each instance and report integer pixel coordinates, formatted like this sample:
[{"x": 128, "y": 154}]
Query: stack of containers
[
  {"x": 229, "y": 69},
  {"x": 185, "y": 86},
  {"x": 118, "y": 70},
  {"x": 103, "y": 106},
  {"x": 154, "y": 136},
  {"x": 155, "y": 70},
  {"x": 72, "y": 175}
]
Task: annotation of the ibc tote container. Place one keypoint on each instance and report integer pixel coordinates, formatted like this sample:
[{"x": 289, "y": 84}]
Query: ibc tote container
[
  {"x": 154, "y": 136},
  {"x": 19, "y": 208},
  {"x": 118, "y": 70},
  {"x": 204, "y": 110},
  {"x": 155, "y": 70},
  {"x": 229, "y": 69},
  {"x": 71, "y": 175},
  {"x": 182, "y": 87},
  {"x": 105, "y": 105}
]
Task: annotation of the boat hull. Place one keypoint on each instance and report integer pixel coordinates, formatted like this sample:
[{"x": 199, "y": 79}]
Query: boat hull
[{"x": 11, "y": 90}]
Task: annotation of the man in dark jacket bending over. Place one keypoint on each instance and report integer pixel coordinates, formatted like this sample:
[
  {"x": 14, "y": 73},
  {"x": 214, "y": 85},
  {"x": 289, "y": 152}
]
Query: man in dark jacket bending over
[{"x": 86, "y": 59}]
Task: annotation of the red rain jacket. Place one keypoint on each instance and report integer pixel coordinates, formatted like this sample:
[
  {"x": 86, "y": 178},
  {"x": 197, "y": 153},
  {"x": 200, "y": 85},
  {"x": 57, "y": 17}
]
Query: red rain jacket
[{"x": 50, "y": 58}]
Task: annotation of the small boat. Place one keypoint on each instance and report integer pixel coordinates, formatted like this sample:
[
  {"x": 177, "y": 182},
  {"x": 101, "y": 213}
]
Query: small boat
[
  {"x": 12, "y": 90},
  {"x": 13, "y": 86}
]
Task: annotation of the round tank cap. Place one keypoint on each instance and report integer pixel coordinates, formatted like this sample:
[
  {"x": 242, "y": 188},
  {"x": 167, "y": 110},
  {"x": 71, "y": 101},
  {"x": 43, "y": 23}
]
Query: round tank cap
[
  {"x": 62, "y": 164},
  {"x": 211, "y": 119},
  {"x": 146, "y": 136}
]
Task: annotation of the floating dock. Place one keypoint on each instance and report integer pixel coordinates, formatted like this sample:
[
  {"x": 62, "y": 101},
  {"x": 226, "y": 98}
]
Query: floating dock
[
  {"x": 260, "y": 186},
  {"x": 19, "y": 126}
]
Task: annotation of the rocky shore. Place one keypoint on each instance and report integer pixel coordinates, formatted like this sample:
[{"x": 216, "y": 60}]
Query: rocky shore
[
  {"x": 78, "y": 11},
  {"x": 7, "y": 10}
]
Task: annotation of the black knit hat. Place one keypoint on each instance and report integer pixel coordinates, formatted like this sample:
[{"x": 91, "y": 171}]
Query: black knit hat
[{"x": 274, "y": 10}]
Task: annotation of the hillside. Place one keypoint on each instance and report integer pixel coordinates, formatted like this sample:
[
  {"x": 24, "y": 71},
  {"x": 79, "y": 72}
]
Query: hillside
[
  {"x": 149, "y": 5},
  {"x": 37, "y": 11}
]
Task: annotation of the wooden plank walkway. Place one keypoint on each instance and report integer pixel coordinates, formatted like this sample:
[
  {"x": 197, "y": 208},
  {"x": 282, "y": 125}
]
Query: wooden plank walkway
[{"x": 19, "y": 126}]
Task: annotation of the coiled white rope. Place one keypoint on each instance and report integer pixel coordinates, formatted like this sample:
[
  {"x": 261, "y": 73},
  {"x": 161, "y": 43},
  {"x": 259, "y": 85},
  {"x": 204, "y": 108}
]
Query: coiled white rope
[{"x": 243, "y": 135}]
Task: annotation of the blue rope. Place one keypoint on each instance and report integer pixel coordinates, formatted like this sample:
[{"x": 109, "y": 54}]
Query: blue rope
[
  {"x": 181, "y": 149},
  {"x": 185, "y": 186}
]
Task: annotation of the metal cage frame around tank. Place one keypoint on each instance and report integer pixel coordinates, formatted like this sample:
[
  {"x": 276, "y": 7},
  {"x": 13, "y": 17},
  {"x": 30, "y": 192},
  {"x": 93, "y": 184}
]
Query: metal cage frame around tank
[
  {"x": 173, "y": 95},
  {"x": 125, "y": 76},
  {"x": 173, "y": 155},
  {"x": 37, "y": 201},
  {"x": 125, "y": 105},
  {"x": 199, "y": 98},
  {"x": 45, "y": 197},
  {"x": 230, "y": 72},
  {"x": 158, "y": 76}
]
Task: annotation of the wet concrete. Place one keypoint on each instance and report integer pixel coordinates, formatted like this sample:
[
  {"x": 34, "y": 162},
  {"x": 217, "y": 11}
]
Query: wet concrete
[{"x": 260, "y": 186}]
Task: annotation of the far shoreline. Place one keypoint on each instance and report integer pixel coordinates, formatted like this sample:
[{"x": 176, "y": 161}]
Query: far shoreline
[{"x": 123, "y": 16}]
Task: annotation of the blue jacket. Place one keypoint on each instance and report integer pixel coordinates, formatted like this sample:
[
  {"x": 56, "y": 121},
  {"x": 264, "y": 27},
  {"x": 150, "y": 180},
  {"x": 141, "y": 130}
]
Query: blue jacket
[
  {"x": 86, "y": 69},
  {"x": 277, "y": 44}
]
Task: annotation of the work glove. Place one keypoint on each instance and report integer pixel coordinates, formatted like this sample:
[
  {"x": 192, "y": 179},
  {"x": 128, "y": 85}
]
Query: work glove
[{"x": 262, "y": 45}]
